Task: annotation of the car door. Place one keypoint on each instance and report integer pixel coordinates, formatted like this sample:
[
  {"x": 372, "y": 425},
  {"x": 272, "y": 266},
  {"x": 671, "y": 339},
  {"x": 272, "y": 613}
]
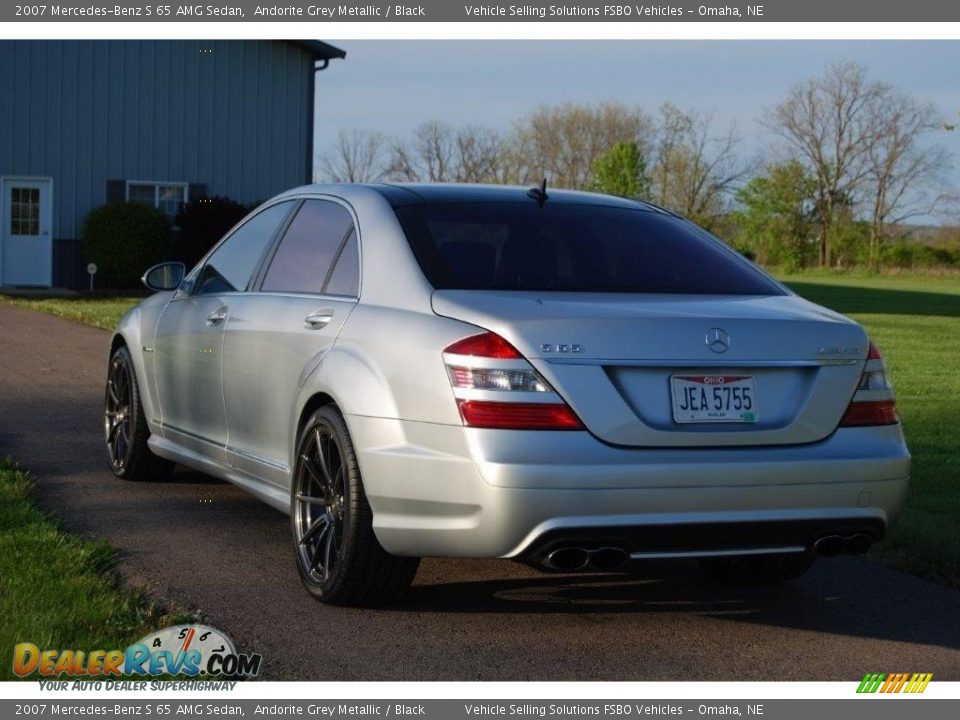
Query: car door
[
  {"x": 275, "y": 337},
  {"x": 189, "y": 338}
]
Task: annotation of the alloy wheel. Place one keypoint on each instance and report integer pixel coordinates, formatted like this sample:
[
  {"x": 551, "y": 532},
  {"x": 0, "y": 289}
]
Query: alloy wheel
[
  {"x": 319, "y": 504},
  {"x": 117, "y": 414}
]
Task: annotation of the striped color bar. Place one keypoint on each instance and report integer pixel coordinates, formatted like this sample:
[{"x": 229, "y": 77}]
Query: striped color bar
[
  {"x": 894, "y": 682},
  {"x": 918, "y": 683}
]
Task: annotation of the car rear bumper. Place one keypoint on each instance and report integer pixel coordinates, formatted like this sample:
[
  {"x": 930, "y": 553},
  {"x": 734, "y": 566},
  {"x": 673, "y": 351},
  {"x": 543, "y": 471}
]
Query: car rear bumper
[{"x": 439, "y": 490}]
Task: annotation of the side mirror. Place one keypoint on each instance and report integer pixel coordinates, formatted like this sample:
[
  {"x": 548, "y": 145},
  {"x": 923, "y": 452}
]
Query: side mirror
[{"x": 165, "y": 276}]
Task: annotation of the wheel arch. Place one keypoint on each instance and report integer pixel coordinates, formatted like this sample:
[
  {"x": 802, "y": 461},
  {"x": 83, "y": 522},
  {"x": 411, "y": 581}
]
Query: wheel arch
[
  {"x": 128, "y": 335},
  {"x": 117, "y": 341},
  {"x": 349, "y": 379},
  {"x": 312, "y": 404}
]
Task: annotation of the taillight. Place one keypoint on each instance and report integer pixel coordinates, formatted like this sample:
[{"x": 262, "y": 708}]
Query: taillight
[
  {"x": 496, "y": 387},
  {"x": 878, "y": 412},
  {"x": 518, "y": 416},
  {"x": 486, "y": 344},
  {"x": 496, "y": 379},
  {"x": 873, "y": 402}
]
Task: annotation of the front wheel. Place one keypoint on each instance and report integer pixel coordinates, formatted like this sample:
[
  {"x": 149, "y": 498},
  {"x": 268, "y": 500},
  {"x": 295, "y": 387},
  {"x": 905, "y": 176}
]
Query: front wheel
[
  {"x": 757, "y": 569},
  {"x": 338, "y": 556},
  {"x": 125, "y": 425}
]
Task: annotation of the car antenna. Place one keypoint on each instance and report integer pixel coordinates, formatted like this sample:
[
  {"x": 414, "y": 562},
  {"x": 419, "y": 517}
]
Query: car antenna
[{"x": 539, "y": 193}]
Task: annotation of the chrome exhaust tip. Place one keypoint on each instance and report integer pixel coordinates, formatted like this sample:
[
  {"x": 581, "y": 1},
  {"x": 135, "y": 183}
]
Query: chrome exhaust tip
[
  {"x": 608, "y": 558},
  {"x": 858, "y": 544},
  {"x": 568, "y": 559},
  {"x": 830, "y": 545}
]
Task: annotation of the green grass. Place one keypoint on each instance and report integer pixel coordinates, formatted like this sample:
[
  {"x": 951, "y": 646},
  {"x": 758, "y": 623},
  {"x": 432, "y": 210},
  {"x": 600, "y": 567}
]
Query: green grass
[
  {"x": 101, "y": 313},
  {"x": 57, "y": 589},
  {"x": 915, "y": 320}
]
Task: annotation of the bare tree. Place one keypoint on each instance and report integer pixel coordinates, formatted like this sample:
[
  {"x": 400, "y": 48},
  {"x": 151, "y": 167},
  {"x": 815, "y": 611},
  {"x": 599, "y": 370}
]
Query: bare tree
[
  {"x": 906, "y": 174},
  {"x": 428, "y": 156},
  {"x": 437, "y": 152},
  {"x": 562, "y": 142},
  {"x": 481, "y": 155},
  {"x": 831, "y": 123},
  {"x": 695, "y": 168},
  {"x": 356, "y": 156}
]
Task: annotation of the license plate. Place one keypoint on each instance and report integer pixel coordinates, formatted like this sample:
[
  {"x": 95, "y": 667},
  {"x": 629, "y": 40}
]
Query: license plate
[{"x": 713, "y": 398}]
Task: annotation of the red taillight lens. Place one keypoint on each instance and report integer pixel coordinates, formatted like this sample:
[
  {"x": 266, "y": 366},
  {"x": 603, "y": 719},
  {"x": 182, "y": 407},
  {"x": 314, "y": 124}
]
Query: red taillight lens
[
  {"x": 488, "y": 344},
  {"x": 873, "y": 402},
  {"x": 518, "y": 416},
  {"x": 494, "y": 390},
  {"x": 861, "y": 414}
]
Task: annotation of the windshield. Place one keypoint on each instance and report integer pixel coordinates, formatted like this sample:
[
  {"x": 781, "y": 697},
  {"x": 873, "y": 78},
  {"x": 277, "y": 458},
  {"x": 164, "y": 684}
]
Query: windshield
[{"x": 578, "y": 248}]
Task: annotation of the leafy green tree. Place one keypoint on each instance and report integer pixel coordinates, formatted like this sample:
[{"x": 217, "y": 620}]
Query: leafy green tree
[
  {"x": 622, "y": 171},
  {"x": 849, "y": 236},
  {"x": 778, "y": 216}
]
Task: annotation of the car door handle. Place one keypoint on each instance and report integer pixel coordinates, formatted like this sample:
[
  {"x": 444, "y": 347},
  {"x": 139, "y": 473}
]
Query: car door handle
[
  {"x": 318, "y": 319},
  {"x": 217, "y": 316}
]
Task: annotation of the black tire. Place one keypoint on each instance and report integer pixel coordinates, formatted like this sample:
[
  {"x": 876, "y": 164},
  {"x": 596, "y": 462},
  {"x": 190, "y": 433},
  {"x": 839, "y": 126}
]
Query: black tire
[
  {"x": 125, "y": 426},
  {"x": 337, "y": 554},
  {"x": 757, "y": 569}
]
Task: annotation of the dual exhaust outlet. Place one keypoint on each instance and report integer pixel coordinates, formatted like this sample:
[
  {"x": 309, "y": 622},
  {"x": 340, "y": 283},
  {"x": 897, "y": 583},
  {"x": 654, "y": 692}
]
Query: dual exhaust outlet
[{"x": 571, "y": 559}]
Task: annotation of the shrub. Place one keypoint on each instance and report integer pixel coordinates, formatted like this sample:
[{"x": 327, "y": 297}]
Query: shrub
[
  {"x": 202, "y": 222},
  {"x": 124, "y": 239},
  {"x": 907, "y": 255},
  {"x": 928, "y": 257},
  {"x": 896, "y": 254}
]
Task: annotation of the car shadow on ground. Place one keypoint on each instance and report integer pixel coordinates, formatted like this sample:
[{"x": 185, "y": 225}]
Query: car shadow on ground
[
  {"x": 843, "y": 596},
  {"x": 861, "y": 299}
]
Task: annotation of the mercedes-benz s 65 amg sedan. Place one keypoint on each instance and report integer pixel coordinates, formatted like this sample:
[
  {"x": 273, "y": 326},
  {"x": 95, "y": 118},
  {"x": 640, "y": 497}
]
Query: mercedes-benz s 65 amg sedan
[{"x": 567, "y": 379}]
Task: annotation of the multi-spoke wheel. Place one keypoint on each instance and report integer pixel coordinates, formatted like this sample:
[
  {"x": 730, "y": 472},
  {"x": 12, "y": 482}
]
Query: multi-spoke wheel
[
  {"x": 318, "y": 504},
  {"x": 338, "y": 556},
  {"x": 125, "y": 427}
]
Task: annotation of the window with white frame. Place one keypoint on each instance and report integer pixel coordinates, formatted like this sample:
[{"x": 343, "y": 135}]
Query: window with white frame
[{"x": 165, "y": 196}]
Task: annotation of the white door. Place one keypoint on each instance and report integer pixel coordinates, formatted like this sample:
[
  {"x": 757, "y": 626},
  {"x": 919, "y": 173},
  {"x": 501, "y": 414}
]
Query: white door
[{"x": 26, "y": 253}]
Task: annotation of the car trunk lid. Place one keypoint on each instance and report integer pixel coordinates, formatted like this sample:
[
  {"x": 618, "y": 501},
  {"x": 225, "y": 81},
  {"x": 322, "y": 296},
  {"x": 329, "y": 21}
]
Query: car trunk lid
[{"x": 623, "y": 361}]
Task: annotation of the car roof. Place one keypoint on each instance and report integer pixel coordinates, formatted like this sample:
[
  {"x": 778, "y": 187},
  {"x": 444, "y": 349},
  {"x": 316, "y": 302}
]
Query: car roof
[{"x": 401, "y": 194}]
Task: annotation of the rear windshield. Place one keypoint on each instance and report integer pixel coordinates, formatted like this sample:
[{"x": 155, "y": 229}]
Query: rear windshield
[{"x": 578, "y": 248}]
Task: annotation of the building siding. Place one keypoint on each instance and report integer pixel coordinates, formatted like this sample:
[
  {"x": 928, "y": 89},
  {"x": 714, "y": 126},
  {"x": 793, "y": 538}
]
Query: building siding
[{"x": 234, "y": 116}]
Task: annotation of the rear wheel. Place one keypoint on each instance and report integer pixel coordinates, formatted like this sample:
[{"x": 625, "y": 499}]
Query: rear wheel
[
  {"x": 125, "y": 425},
  {"x": 757, "y": 569},
  {"x": 338, "y": 556}
]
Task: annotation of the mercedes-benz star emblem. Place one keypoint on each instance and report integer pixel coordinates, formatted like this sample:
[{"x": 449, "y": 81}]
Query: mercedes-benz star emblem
[{"x": 718, "y": 340}]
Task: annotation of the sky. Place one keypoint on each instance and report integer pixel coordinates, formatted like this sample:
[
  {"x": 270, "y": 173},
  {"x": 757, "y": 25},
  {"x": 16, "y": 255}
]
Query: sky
[{"x": 392, "y": 86}]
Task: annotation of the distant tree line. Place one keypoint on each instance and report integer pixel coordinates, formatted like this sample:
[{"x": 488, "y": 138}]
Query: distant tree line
[{"x": 848, "y": 164}]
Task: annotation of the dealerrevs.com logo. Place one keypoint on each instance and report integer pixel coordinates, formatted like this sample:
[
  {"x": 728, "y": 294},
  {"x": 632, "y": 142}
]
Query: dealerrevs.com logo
[
  {"x": 889, "y": 683},
  {"x": 181, "y": 650}
]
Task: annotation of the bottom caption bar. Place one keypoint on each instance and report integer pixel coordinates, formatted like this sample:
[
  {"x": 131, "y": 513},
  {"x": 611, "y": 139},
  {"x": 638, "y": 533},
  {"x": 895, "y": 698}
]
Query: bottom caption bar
[{"x": 872, "y": 707}]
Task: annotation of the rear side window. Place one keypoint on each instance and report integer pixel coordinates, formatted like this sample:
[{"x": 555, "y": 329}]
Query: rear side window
[
  {"x": 229, "y": 268},
  {"x": 345, "y": 278},
  {"x": 574, "y": 248},
  {"x": 318, "y": 241}
]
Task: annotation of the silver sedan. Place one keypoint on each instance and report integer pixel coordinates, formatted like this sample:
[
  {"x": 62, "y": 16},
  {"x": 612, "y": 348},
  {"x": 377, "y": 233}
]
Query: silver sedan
[{"x": 568, "y": 379}]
